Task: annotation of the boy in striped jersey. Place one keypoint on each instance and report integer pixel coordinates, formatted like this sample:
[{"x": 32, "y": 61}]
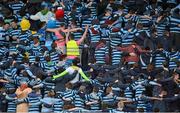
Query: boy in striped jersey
[
  {"x": 3, "y": 34},
  {"x": 115, "y": 40},
  {"x": 67, "y": 96},
  {"x": 48, "y": 102},
  {"x": 101, "y": 53},
  {"x": 159, "y": 57},
  {"x": 109, "y": 100},
  {"x": 175, "y": 27},
  {"x": 34, "y": 101},
  {"x": 93, "y": 99},
  {"x": 14, "y": 32},
  {"x": 16, "y": 6},
  {"x": 58, "y": 106},
  {"x": 11, "y": 98}
]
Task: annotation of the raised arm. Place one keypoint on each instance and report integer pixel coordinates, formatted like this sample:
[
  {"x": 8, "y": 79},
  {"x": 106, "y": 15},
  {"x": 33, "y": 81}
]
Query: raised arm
[
  {"x": 60, "y": 75},
  {"x": 70, "y": 30},
  {"x": 83, "y": 75},
  {"x": 83, "y": 36},
  {"x": 67, "y": 36},
  {"x": 122, "y": 48}
]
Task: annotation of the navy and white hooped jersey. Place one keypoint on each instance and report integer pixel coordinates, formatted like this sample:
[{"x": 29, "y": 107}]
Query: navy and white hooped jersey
[
  {"x": 105, "y": 34},
  {"x": 16, "y": 6},
  {"x": 93, "y": 8},
  {"x": 93, "y": 97},
  {"x": 109, "y": 99},
  {"x": 174, "y": 22},
  {"x": 162, "y": 26},
  {"x": 115, "y": 40},
  {"x": 34, "y": 101},
  {"x": 103, "y": 19},
  {"x": 94, "y": 35},
  {"x": 78, "y": 101},
  {"x": 159, "y": 58},
  {"x": 132, "y": 18},
  {"x": 48, "y": 86},
  {"x": 116, "y": 56},
  {"x": 49, "y": 66},
  {"x": 128, "y": 92},
  {"x": 173, "y": 58},
  {"x": 128, "y": 37},
  {"x": 10, "y": 74},
  {"x": 54, "y": 56},
  {"x": 147, "y": 22},
  {"x": 14, "y": 33},
  {"x": 24, "y": 35},
  {"x": 32, "y": 58},
  {"x": 3, "y": 36},
  {"x": 36, "y": 50},
  {"x": 77, "y": 35},
  {"x": 3, "y": 51},
  {"x": 100, "y": 55},
  {"x": 58, "y": 106},
  {"x": 86, "y": 21},
  {"x": 139, "y": 90},
  {"x": 19, "y": 58},
  {"x": 11, "y": 107},
  {"x": 101, "y": 86}
]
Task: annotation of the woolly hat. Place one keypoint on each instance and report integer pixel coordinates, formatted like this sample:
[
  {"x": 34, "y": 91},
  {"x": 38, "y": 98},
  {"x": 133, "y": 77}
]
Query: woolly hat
[
  {"x": 25, "y": 24},
  {"x": 59, "y": 13}
]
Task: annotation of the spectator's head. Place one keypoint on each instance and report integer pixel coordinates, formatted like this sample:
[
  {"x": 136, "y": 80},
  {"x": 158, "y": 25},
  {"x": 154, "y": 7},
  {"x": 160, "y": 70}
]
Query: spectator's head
[
  {"x": 6, "y": 26},
  {"x": 14, "y": 23},
  {"x": 139, "y": 26},
  {"x": 51, "y": 94},
  {"x": 1, "y": 22},
  {"x": 141, "y": 76},
  {"x": 120, "y": 105},
  {"x": 159, "y": 46},
  {"x": 108, "y": 90},
  {"x": 108, "y": 12},
  {"x": 36, "y": 40},
  {"x": 76, "y": 61},
  {"x": 95, "y": 89},
  {"x": 82, "y": 89},
  {"x": 68, "y": 85},
  {"x": 101, "y": 43},
  {"x": 86, "y": 11},
  {"x": 48, "y": 58},
  {"x": 150, "y": 67},
  {"x": 54, "y": 45}
]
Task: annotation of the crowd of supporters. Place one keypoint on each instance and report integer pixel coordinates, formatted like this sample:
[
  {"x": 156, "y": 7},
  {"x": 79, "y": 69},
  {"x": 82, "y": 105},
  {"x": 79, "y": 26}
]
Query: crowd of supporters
[{"x": 89, "y": 55}]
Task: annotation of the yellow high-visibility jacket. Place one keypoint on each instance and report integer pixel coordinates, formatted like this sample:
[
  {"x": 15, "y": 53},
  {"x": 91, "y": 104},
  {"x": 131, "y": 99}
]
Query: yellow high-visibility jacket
[{"x": 72, "y": 48}]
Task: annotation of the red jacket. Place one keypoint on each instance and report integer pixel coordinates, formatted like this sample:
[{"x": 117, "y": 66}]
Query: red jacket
[{"x": 130, "y": 49}]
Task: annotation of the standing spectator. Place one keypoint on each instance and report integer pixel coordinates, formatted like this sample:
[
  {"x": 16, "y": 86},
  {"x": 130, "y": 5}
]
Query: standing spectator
[
  {"x": 175, "y": 28},
  {"x": 101, "y": 53}
]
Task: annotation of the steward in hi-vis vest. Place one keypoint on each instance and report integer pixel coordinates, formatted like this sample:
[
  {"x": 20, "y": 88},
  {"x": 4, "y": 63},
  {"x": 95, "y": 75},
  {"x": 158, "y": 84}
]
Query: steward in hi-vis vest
[{"x": 72, "y": 48}]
